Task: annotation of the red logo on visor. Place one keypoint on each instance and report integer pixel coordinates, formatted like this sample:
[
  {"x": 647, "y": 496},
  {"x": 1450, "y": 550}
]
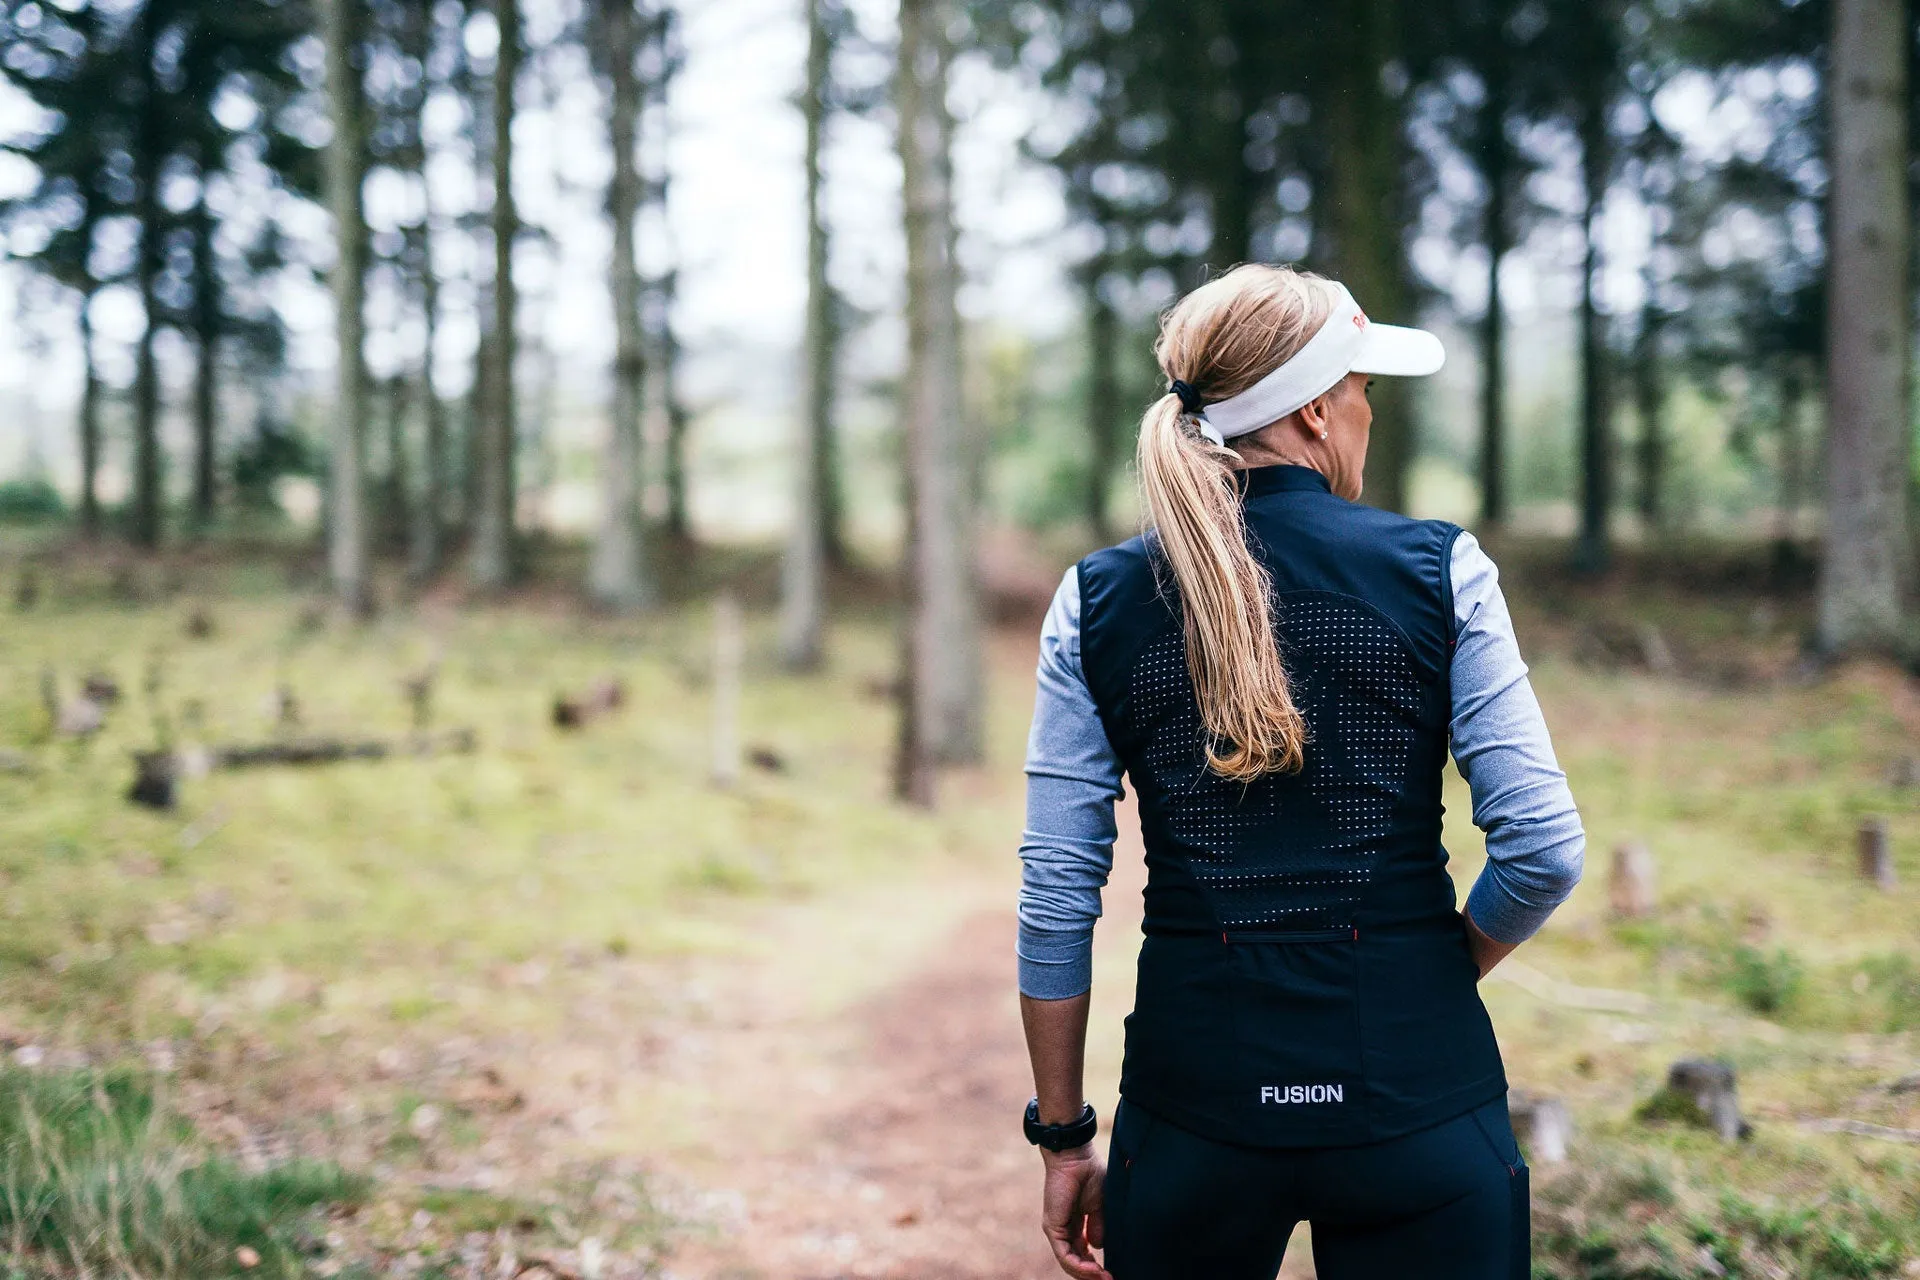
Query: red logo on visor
[{"x": 1359, "y": 322}]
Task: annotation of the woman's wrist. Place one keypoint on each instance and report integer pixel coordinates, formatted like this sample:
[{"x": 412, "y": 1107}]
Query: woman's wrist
[
  {"x": 1055, "y": 1111},
  {"x": 1071, "y": 1156}
]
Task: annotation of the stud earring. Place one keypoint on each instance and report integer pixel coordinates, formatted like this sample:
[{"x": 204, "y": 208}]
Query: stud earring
[{"x": 1323, "y": 433}]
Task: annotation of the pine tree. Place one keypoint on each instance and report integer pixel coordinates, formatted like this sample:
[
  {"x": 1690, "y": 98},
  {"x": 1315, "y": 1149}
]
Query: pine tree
[
  {"x": 349, "y": 554},
  {"x": 491, "y": 565},
  {"x": 803, "y": 571},
  {"x": 618, "y": 577},
  {"x": 1866, "y": 569},
  {"x": 943, "y": 683}
]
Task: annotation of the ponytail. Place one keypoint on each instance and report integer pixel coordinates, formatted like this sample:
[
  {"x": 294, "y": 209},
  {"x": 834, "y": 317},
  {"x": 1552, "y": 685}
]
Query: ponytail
[{"x": 1246, "y": 705}]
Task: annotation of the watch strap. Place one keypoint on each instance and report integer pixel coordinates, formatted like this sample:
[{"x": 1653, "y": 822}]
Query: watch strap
[{"x": 1061, "y": 1137}]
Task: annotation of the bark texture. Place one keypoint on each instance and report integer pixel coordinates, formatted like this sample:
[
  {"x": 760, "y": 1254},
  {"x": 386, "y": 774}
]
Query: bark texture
[
  {"x": 1497, "y": 161},
  {"x": 491, "y": 563},
  {"x": 206, "y": 384},
  {"x": 145, "y": 529},
  {"x": 944, "y": 636},
  {"x": 803, "y": 572},
  {"x": 617, "y": 575},
  {"x": 347, "y": 552},
  {"x": 89, "y": 422},
  {"x": 1595, "y": 549},
  {"x": 1103, "y": 405},
  {"x": 428, "y": 534},
  {"x": 1864, "y": 573},
  {"x": 1365, "y": 216}
]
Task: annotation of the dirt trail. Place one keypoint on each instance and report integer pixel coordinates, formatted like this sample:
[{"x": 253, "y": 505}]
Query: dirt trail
[{"x": 913, "y": 1167}]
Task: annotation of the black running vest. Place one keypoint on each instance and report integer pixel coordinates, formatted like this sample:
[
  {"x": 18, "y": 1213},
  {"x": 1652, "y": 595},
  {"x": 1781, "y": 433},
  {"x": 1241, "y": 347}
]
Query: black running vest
[{"x": 1305, "y": 979}]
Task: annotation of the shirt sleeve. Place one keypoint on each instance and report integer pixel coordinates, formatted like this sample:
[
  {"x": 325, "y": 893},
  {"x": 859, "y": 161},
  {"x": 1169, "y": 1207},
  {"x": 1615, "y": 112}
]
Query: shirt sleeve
[
  {"x": 1073, "y": 779},
  {"x": 1535, "y": 844}
]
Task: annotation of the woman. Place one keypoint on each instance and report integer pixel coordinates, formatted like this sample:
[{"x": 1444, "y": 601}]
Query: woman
[{"x": 1281, "y": 673}]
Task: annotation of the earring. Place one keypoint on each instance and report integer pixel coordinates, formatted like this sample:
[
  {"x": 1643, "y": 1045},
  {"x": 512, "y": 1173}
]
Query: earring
[{"x": 1323, "y": 433}]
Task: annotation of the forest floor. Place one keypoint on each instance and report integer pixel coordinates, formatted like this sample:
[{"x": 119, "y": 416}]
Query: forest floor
[{"x": 570, "y": 1010}]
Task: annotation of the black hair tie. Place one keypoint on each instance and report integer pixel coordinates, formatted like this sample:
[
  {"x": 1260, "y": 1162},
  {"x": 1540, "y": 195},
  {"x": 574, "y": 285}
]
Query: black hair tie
[{"x": 1190, "y": 400}]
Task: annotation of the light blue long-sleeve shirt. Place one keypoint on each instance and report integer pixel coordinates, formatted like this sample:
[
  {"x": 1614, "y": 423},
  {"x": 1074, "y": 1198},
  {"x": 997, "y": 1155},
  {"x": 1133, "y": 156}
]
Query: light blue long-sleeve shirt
[{"x": 1535, "y": 844}]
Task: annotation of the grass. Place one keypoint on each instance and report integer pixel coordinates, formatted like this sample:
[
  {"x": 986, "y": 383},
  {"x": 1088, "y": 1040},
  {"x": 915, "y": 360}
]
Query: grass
[
  {"x": 99, "y": 1177},
  {"x": 298, "y": 933}
]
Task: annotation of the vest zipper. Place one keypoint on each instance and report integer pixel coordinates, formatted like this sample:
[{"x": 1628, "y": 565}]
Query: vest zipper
[{"x": 1332, "y": 933}]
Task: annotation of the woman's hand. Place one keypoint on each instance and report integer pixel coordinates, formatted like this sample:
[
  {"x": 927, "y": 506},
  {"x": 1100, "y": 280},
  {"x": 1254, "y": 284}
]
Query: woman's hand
[{"x": 1071, "y": 1213}]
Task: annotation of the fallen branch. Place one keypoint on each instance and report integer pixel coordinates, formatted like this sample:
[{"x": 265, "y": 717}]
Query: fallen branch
[
  {"x": 1570, "y": 996},
  {"x": 1862, "y": 1129},
  {"x": 334, "y": 750},
  {"x": 157, "y": 772}
]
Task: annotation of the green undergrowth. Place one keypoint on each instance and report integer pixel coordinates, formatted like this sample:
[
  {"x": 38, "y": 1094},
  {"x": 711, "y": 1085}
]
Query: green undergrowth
[
  {"x": 407, "y": 891},
  {"x": 1692, "y": 1210},
  {"x": 98, "y": 1176},
  {"x": 1702, "y": 948}
]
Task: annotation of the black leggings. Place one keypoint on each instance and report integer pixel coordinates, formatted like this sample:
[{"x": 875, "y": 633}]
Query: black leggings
[{"x": 1446, "y": 1203}]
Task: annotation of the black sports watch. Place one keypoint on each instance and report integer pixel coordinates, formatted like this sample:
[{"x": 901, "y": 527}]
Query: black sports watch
[{"x": 1061, "y": 1137}]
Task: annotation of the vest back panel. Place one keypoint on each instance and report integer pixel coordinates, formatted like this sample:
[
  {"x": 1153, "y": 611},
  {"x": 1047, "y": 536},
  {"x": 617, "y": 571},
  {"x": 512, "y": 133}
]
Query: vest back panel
[{"x": 1305, "y": 979}]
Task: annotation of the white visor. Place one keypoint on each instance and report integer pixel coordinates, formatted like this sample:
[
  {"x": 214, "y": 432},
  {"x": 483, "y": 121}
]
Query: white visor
[{"x": 1347, "y": 343}]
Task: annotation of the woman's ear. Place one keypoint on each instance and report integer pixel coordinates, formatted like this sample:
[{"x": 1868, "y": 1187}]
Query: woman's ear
[{"x": 1315, "y": 414}]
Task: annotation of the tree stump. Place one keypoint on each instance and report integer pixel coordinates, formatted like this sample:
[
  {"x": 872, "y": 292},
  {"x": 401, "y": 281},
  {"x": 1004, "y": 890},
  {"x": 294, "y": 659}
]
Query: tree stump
[
  {"x": 1876, "y": 857},
  {"x": 418, "y": 691},
  {"x": 155, "y": 773},
  {"x": 1630, "y": 886},
  {"x": 1701, "y": 1092},
  {"x": 576, "y": 712},
  {"x": 728, "y": 651},
  {"x": 1543, "y": 1126}
]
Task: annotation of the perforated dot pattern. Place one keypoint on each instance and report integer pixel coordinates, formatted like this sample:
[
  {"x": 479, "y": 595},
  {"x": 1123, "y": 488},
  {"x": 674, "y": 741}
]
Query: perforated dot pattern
[{"x": 1288, "y": 851}]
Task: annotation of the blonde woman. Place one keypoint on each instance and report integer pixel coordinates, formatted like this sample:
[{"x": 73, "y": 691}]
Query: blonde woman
[{"x": 1281, "y": 673}]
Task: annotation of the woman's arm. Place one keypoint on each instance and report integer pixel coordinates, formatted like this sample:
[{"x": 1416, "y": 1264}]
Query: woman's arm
[
  {"x": 1071, "y": 1214},
  {"x": 1535, "y": 843},
  {"x": 1073, "y": 779}
]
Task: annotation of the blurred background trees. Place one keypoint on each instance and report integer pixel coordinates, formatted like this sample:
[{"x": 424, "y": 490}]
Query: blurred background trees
[{"x": 1674, "y": 175}]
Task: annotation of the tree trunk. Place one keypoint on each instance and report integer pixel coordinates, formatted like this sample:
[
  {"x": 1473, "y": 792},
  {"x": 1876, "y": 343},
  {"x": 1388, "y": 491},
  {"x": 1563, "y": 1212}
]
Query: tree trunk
[
  {"x": 1496, "y": 167},
  {"x": 1650, "y": 400},
  {"x": 945, "y": 643},
  {"x": 617, "y": 579},
  {"x": 146, "y": 394},
  {"x": 1864, "y": 572},
  {"x": 89, "y": 422},
  {"x": 491, "y": 563},
  {"x": 478, "y": 89},
  {"x": 346, "y": 168},
  {"x": 674, "y": 465},
  {"x": 428, "y": 533},
  {"x": 1365, "y": 206},
  {"x": 206, "y": 315},
  {"x": 1103, "y": 403},
  {"x": 1792, "y": 469},
  {"x": 399, "y": 488},
  {"x": 1595, "y": 549},
  {"x": 803, "y": 572},
  {"x": 1233, "y": 189}
]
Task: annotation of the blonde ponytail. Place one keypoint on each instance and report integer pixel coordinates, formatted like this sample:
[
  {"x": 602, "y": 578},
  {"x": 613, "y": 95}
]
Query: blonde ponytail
[{"x": 1221, "y": 339}]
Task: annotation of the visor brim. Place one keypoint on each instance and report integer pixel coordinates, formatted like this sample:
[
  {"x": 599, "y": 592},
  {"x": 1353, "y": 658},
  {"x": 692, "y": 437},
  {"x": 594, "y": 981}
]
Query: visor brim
[{"x": 1391, "y": 350}]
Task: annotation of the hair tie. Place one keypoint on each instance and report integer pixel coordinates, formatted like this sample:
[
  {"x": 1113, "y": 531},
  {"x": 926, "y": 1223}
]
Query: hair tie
[{"x": 1190, "y": 399}]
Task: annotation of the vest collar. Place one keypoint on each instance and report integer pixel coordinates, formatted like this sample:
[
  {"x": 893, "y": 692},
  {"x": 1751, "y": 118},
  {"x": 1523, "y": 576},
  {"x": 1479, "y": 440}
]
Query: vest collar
[{"x": 1257, "y": 482}]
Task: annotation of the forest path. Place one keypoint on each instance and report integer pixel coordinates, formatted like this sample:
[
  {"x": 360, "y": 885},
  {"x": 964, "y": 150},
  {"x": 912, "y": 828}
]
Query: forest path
[{"x": 905, "y": 1160}]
